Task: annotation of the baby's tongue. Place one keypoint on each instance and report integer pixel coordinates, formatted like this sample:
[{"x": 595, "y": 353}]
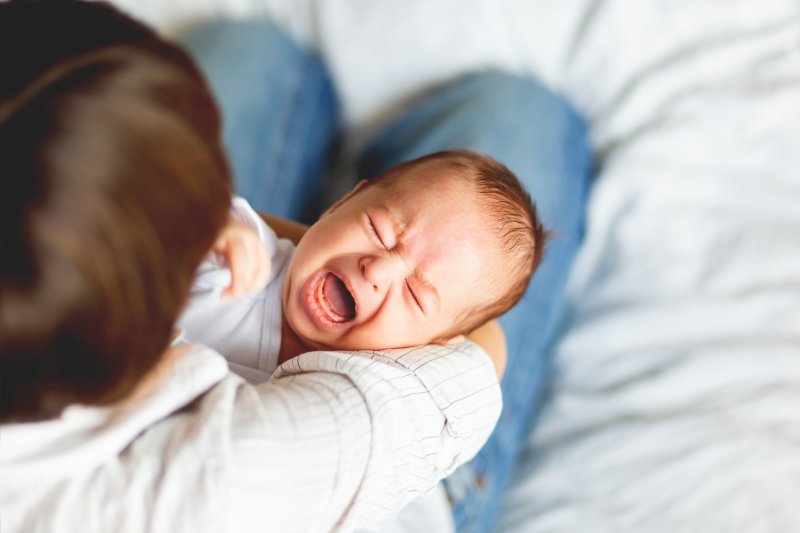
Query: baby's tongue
[{"x": 338, "y": 297}]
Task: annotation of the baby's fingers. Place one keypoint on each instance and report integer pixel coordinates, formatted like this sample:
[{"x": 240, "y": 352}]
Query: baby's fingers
[
  {"x": 236, "y": 254},
  {"x": 249, "y": 262},
  {"x": 263, "y": 267}
]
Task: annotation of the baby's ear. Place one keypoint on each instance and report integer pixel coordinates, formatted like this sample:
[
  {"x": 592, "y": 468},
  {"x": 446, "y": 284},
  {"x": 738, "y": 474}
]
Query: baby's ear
[{"x": 360, "y": 185}]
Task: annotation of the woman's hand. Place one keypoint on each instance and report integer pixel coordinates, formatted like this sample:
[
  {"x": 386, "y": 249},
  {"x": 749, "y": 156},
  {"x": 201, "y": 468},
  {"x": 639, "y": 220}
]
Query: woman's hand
[
  {"x": 244, "y": 253},
  {"x": 285, "y": 229},
  {"x": 491, "y": 338}
]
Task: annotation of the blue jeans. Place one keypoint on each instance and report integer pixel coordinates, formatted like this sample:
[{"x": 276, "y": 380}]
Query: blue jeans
[{"x": 281, "y": 124}]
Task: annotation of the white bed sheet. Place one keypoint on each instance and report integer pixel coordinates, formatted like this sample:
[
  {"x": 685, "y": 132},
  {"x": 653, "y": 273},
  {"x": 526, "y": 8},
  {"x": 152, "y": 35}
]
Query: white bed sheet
[{"x": 676, "y": 403}]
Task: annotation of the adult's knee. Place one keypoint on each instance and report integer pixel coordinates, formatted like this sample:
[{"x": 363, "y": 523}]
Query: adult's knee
[
  {"x": 541, "y": 137},
  {"x": 494, "y": 92},
  {"x": 236, "y": 52}
]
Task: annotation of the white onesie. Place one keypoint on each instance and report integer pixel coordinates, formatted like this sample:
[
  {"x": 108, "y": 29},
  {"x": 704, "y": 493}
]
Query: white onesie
[{"x": 246, "y": 329}]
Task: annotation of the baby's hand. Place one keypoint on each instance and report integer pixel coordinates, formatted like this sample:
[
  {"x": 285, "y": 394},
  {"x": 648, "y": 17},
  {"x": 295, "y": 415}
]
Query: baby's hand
[{"x": 246, "y": 256}]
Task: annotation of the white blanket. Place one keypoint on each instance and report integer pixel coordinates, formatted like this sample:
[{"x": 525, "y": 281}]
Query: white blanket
[{"x": 676, "y": 404}]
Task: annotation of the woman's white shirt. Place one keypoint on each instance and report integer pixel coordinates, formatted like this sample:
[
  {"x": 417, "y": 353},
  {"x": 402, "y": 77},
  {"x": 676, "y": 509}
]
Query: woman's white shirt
[{"x": 332, "y": 441}]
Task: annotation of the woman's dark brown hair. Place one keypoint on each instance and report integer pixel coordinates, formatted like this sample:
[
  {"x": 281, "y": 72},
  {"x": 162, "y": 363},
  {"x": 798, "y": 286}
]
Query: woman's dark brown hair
[{"x": 113, "y": 186}]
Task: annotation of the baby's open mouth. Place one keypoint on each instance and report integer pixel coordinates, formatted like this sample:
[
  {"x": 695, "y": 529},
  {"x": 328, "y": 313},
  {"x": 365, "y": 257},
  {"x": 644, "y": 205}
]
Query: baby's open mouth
[{"x": 335, "y": 299}]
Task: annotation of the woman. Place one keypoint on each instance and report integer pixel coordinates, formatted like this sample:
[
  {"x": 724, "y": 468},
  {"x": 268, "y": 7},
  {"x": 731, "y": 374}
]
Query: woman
[
  {"x": 282, "y": 126},
  {"x": 113, "y": 188}
]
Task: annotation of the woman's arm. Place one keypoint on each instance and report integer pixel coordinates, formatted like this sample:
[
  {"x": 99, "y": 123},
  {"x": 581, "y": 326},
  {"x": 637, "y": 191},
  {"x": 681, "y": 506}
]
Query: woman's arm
[
  {"x": 283, "y": 228},
  {"x": 337, "y": 440},
  {"x": 492, "y": 339}
]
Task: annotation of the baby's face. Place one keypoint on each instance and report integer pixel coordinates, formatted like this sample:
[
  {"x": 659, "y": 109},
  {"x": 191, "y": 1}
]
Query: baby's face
[{"x": 391, "y": 267}]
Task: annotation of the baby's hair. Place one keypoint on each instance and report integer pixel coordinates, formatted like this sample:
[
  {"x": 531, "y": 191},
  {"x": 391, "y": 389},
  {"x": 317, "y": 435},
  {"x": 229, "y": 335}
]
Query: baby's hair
[
  {"x": 113, "y": 185},
  {"x": 513, "y": 217}
]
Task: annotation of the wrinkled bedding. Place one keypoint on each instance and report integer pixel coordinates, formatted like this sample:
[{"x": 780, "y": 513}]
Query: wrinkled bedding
[{"x": 675, "y": 404}]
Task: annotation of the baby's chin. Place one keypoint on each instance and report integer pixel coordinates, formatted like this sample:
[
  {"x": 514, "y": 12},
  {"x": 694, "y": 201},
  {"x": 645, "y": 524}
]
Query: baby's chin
[
  {"x": 309, "y": 342},
  {"x": 328, "y": 339},
  {"x": 314, "y": 343}
]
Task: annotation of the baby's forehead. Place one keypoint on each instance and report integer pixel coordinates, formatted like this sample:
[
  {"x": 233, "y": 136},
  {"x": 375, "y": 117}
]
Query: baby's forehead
[
  {"x": 440, "y": 182},
  {"x": 452, "y": 195},
  {"x": 470, "y": 285}
]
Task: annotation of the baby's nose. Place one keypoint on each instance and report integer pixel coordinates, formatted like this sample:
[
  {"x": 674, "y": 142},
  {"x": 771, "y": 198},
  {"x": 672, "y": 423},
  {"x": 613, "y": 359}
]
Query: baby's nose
[{"x": 381, "y": 270}]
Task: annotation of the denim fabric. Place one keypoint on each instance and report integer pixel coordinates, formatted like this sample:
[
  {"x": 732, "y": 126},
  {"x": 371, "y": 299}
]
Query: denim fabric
[
  {"x": 544, "y": 142},
  {"x": 281, "y": 119},
  {"x": 280, "y": 114}
]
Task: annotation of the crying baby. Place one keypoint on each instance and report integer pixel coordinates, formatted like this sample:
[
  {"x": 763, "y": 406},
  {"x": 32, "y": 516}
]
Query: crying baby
[{"x": 422, "y": 254}]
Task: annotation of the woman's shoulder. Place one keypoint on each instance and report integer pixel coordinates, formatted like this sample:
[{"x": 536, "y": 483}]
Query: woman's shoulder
[{"x": 161, "y": 439}]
